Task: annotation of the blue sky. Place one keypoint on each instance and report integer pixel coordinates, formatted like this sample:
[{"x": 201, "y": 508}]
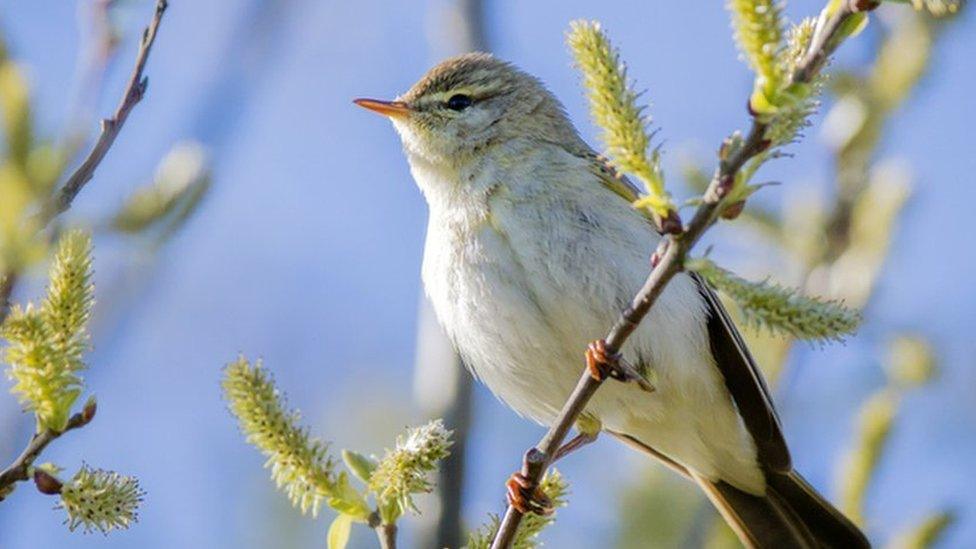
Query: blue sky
[{"x": 307, "y": 254}]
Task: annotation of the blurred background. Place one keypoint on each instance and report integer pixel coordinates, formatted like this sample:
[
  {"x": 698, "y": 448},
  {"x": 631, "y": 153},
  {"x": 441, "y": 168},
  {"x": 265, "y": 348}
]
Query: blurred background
[{"x": 304, "y": 247}]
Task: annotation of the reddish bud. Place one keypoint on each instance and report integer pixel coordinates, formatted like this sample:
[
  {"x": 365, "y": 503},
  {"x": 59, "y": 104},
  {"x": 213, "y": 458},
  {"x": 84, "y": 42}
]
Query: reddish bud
[
  {"x": 671, "y": 224},
  {"x": 88, "y": 412},
  {"x": 865, "y": 5},
  {"x": 733, "y": 210},
  {"x": 46, "y": 483}
]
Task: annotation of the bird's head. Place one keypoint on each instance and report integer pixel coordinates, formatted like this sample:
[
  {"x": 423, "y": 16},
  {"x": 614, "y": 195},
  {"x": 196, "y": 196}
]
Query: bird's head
[{"x": 469, "y": 103}]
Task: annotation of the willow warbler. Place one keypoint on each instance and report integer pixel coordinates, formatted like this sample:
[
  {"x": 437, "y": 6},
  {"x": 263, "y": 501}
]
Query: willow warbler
[{"x": 533, "y": 249}]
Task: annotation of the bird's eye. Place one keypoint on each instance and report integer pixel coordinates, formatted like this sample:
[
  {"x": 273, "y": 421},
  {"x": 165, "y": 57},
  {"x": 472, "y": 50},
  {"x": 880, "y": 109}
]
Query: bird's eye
[{"x": 459, "y": 102}]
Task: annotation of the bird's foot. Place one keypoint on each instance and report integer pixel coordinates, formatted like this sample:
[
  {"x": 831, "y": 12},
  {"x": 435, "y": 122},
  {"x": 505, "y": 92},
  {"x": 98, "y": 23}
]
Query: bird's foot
[
  {"x": 602, "y": 364},
  {"x": 525, "y": 495}
]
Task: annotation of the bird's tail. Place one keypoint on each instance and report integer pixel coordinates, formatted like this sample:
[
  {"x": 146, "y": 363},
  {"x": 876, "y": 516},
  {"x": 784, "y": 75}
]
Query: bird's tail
[{"x": 791, "y": 514}]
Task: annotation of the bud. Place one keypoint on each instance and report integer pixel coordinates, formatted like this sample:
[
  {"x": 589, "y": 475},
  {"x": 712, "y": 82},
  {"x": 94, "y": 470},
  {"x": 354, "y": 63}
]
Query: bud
[
  {"x": 88, "y": 412},
  {"x": 671, "y": 224},
  {"x": 865, "y": 5},
  {"x": 360, "y": 465},
  {"x": 733, "y": 210},
  {"x": 46, "y": 483}
]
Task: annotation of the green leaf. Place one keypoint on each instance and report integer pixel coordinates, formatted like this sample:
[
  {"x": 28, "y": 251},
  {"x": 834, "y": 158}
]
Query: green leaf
[
  {"x": 339, "y": 532},
  {"x": 347, "y": 500},
  {"x": 360, "y": 465}
]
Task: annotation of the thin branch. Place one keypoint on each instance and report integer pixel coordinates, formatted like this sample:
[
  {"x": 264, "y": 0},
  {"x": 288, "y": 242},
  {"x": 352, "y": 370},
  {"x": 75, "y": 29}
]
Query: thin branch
[
  {"x": 19, "y": 470},
  {"x": 61, "y": 202},
  {"x": 385, "y": 533},
  {"x": 668, "y": 260},
  {"x": 7, "y": 283},
  {"x": 134, "y": 92}
]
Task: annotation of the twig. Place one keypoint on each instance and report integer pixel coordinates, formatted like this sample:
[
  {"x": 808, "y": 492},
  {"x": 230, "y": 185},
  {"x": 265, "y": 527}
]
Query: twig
[
  {"x": 668, "y": 260},
  {"x": 7, "y": 283},
  {"x": 385, "y": 533},
  {"x": 134, "y": 92},
  {"x": 20, "y": 468}
]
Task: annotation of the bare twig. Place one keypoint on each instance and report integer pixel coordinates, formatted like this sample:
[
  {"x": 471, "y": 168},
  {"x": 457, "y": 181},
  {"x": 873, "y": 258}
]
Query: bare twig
[
  {"x": 386, "y": 533},
  {"x": 19, "y": 470},
  {"x": 61, "y": 201},
  {"x": 668, "y": 260},
  {"x": 7, "y": 283},
  {"x": 134, "y": 92}
]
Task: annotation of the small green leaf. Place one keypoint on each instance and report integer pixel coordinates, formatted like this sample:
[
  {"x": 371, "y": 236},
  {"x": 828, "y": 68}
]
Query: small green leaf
[
  {"x": 347, "y": 500},
  {"x": 359, "y": 465},
  {"x": 339, "y": 532}
]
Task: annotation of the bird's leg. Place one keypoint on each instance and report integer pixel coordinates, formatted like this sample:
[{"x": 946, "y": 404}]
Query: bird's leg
[{"x": 577, "y": 442}]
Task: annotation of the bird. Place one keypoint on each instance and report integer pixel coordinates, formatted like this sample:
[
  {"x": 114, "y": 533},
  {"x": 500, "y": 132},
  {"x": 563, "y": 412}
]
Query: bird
[{"x": 533, "y": 248}]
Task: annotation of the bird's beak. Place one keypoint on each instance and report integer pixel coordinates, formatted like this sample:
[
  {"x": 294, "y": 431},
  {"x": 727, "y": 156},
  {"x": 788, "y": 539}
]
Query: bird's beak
[{"x": 393, "y": 109}]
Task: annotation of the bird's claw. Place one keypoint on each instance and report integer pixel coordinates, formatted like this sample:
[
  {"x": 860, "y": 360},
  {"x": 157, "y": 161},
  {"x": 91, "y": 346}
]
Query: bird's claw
[
  {"x": 526, "y": 497},
  {"x": 602, "y": 364}
]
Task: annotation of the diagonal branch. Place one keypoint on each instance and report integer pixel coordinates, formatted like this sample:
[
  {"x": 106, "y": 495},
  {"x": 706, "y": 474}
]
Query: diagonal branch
[
  {"x": 19, "y": 470},
  {"x": 61, "y": 202},
  {"x": 669, "y": 259},
  {"x": 134, "y": 92}
]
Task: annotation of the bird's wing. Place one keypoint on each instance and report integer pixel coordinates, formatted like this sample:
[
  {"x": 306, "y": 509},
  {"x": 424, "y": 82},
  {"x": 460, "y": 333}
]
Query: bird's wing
[
  {"x": 745, "y": 383},
  {"x": 610, "y": 178},
  {"x": 743, "y": 379}
]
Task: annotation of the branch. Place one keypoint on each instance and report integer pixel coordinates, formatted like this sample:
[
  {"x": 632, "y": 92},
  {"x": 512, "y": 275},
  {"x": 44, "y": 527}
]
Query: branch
[
  {"x": 7, "y": 282},
  {"x": 669, "y": 258},
  {"x": 19, "y": 470},
  {"x": 385, "y": 532},
  {"x": 134, "y": 92}
]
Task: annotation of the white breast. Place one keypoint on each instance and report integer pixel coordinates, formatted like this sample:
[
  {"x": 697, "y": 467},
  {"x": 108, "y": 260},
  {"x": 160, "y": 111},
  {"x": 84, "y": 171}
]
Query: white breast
[{"x": 524, "y": 269}]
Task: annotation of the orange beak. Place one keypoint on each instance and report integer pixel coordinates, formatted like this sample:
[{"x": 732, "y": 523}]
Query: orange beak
[{"x": 386, "y": 108}]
